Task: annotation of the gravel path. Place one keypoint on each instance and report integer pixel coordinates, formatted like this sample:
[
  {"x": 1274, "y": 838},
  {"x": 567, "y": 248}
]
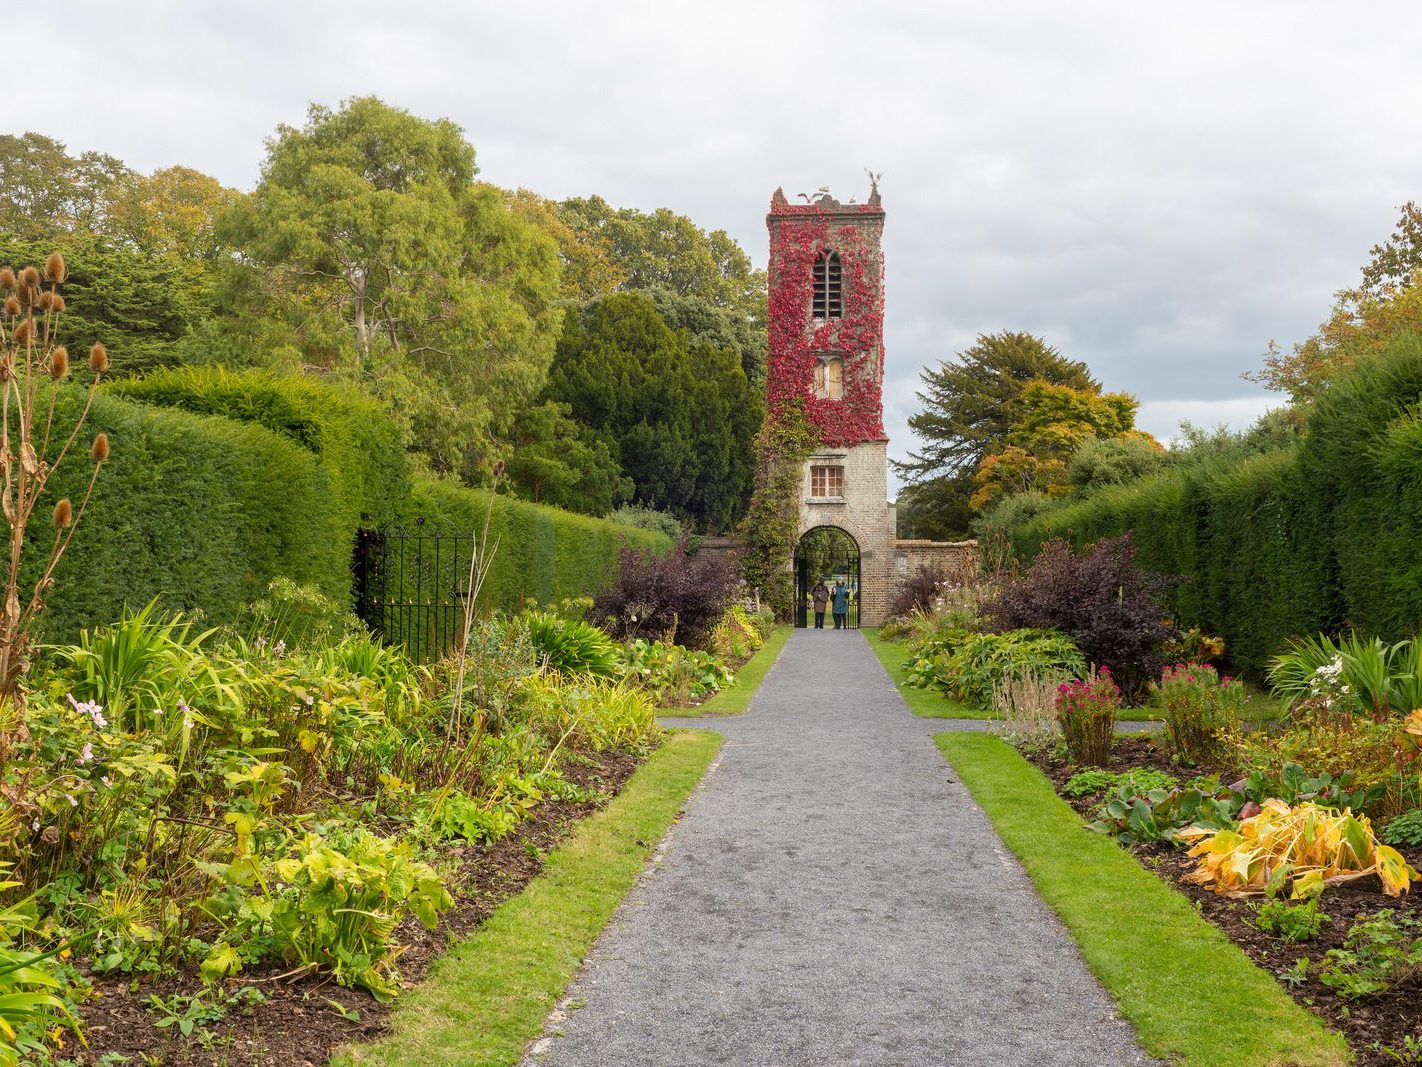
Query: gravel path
[{"x": 833, "y": 896}]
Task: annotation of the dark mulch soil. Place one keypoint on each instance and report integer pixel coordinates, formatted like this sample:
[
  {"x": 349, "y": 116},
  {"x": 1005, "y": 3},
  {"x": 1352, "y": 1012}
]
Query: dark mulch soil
[
  {"x": 1368, "y": 1025},
  {"x": 298, "y": 1025}
]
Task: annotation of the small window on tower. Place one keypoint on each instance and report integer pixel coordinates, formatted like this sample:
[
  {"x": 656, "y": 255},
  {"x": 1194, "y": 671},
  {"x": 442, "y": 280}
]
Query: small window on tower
[
  {"x": 828, "y": 301},
  {"x": 826, "y": 481},
  {"x": 829, "y": 379}
]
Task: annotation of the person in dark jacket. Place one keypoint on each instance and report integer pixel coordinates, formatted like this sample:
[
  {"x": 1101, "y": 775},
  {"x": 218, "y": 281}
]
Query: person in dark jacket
[
  {"x": 820, "y": 594},
  {"x": 841, "y": 605}
]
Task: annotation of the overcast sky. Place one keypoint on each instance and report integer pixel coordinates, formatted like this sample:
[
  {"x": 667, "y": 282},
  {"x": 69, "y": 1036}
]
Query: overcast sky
[{"x": 1157, "y": 189}]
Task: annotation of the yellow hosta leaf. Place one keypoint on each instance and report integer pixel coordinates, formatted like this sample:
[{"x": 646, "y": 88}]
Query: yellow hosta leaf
[{"x": 1308, "y": 844}]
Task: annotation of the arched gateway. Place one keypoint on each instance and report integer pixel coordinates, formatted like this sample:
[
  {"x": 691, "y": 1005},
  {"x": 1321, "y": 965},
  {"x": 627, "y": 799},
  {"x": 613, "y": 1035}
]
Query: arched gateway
[
  {"x": 826, "y": 349},
  {"x": 826, "y": 554}
]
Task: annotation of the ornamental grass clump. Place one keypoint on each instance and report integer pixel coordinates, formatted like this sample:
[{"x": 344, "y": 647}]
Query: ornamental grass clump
[
  {"x": 33, "y": 443},
  {"x": 1086, "y": 712},
  {"x": 1197, "y": 705}
]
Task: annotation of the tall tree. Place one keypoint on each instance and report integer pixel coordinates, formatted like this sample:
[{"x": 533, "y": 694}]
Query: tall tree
[
  {"x": 680, "y": 415},
  {"x": 663, "y": 250},
  {"x": 1363, "y": 319},
  {"x": 557, "y": 460},
  {"x": 368, "y": 234},
  {"x": 45, "y": 191},
  {"x": 970, "y": 403}
]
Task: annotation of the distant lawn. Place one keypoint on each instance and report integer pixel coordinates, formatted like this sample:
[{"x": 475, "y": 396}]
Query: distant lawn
[
  {"x": 487, "y": 998},
  {"x": 1193, "y": 997},
  {"x": 736, "y": 698}
]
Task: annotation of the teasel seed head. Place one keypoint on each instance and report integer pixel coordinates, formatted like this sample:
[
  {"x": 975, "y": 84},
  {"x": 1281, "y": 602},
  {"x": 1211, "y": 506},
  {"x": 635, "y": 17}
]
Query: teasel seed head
[
  {"x": 29, "y": 276},
  {"x": 24, "y": 330},
  {"x": 7, "y": 278},
  {"x": 12, "y": 305},
  {"x": 63, "y": 513},
  {"x": 46, "y": 299},
  {"x": 59, "y": 363},
  {"x": 54, "y": 268},
  {"x": 57, "y": 304},
  {"x": 100, "y": 451},
  {"x": 98, "y": 358}
]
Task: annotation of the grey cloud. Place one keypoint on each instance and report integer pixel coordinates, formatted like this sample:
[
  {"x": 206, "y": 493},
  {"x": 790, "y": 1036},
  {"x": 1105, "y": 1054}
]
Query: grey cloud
[{"x": 1159, "y": 189}]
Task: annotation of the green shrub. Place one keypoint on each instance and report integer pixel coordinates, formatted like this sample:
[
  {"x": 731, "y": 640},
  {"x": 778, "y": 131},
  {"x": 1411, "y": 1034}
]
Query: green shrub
[
  {"x": 357, "y": 442},
  {"x": 644, "y": 518},
  {"x": 1086, "y": 712},
  {"x": 968, "y": 665},
  {"x": 198, "y": 510},
  {"x": 1197, "y": 705}
]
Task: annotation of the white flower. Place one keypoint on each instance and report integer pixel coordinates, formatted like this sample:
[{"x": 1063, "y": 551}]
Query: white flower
[{"x": 87, "y": 754}]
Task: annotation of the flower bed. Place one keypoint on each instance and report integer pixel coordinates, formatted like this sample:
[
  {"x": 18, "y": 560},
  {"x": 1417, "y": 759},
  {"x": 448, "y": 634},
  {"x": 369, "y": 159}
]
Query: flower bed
[{"x": 1373, "y": 1023}]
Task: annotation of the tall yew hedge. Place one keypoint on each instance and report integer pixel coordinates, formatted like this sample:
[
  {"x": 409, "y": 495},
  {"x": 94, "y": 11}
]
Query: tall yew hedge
[
  {"x": 198, "y": 509},
  {"x": 1322, "y": 536},
  {"x": 220, "y": 481}
]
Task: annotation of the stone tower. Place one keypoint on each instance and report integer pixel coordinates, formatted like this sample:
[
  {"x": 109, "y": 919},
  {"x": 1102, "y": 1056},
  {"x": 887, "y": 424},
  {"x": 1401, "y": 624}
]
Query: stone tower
[{"x": 826, "y": 346}]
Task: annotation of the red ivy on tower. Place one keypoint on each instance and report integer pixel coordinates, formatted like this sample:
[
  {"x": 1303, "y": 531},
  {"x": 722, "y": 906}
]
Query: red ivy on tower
[{"x": 798, "y": 234}]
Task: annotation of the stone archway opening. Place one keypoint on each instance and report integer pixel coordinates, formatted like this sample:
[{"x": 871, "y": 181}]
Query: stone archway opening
[{"x": 826, "y": 554}]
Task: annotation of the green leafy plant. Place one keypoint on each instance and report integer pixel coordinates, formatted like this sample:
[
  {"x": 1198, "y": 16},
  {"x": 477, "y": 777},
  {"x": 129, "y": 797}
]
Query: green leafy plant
[
  {"x": 968, "y": 665},
  {"x": 1379, "y": 952},
  {"x": 1197, "y": 705},
  {"x": 672, "y": 673},
  {"x": 569, "y": 645},
  {"x": 1136, "y": 780},
  {"x": 1406, "y": 829},
  {"x": 1292, "y": 784},
  {"x": 31, "y": 994},
  {"x": 1133, "y": 816},
  {"x": 1291, "y": 922},
  {"x": 1350, "y": 673},
  {"x": 336, "y": 910}
]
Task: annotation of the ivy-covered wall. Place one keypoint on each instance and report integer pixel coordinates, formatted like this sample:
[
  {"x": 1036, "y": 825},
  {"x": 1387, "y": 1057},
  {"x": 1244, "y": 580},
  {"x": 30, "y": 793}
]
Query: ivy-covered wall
[{"x": 798, "y": 234}]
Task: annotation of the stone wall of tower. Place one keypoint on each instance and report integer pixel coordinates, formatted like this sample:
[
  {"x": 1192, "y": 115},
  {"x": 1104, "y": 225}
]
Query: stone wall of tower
[{"x": 864, "y": 513}]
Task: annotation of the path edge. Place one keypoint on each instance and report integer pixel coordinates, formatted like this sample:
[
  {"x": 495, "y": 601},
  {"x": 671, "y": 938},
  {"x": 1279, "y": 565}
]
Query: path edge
[{"x": 488, "y": 998}]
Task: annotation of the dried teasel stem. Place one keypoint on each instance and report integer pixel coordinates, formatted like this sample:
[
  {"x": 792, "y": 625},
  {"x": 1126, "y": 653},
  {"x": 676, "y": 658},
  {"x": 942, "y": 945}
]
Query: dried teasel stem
[{"x": 30, "y": 355}]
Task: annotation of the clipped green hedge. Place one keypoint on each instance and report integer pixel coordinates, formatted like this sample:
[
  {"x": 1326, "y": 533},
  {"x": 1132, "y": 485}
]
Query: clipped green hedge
[
  {"x": 199, "y": 509},
  {"x": 352, "y": 435},
  {"x": 1318, "y": 537},
  {"x": 543, "y": 553},
  {"x": 221, "y": 481}
]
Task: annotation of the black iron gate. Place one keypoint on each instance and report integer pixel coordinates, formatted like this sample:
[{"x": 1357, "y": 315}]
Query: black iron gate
[
  {"x": 826, "y": 554},
  {"x": 410, "y": 585}
]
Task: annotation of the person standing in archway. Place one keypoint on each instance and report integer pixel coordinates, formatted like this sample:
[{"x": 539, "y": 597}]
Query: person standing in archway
[
  {"x": 820, "y": 594},
  {"x": 841, "y": 605}
]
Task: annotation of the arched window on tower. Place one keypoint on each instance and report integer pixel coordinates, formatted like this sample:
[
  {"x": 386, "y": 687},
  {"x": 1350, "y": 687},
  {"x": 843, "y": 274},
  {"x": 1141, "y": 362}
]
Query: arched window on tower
[
  {"x": 828, "y": 301},
  {"x": 829, "y": 378}
]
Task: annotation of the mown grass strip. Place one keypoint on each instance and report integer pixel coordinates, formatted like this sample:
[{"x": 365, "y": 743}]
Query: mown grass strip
[
  {"x": 737, "y": 698},
  {"x": 1189, "y": 991},
  {"x": 487, "y": 998}
]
